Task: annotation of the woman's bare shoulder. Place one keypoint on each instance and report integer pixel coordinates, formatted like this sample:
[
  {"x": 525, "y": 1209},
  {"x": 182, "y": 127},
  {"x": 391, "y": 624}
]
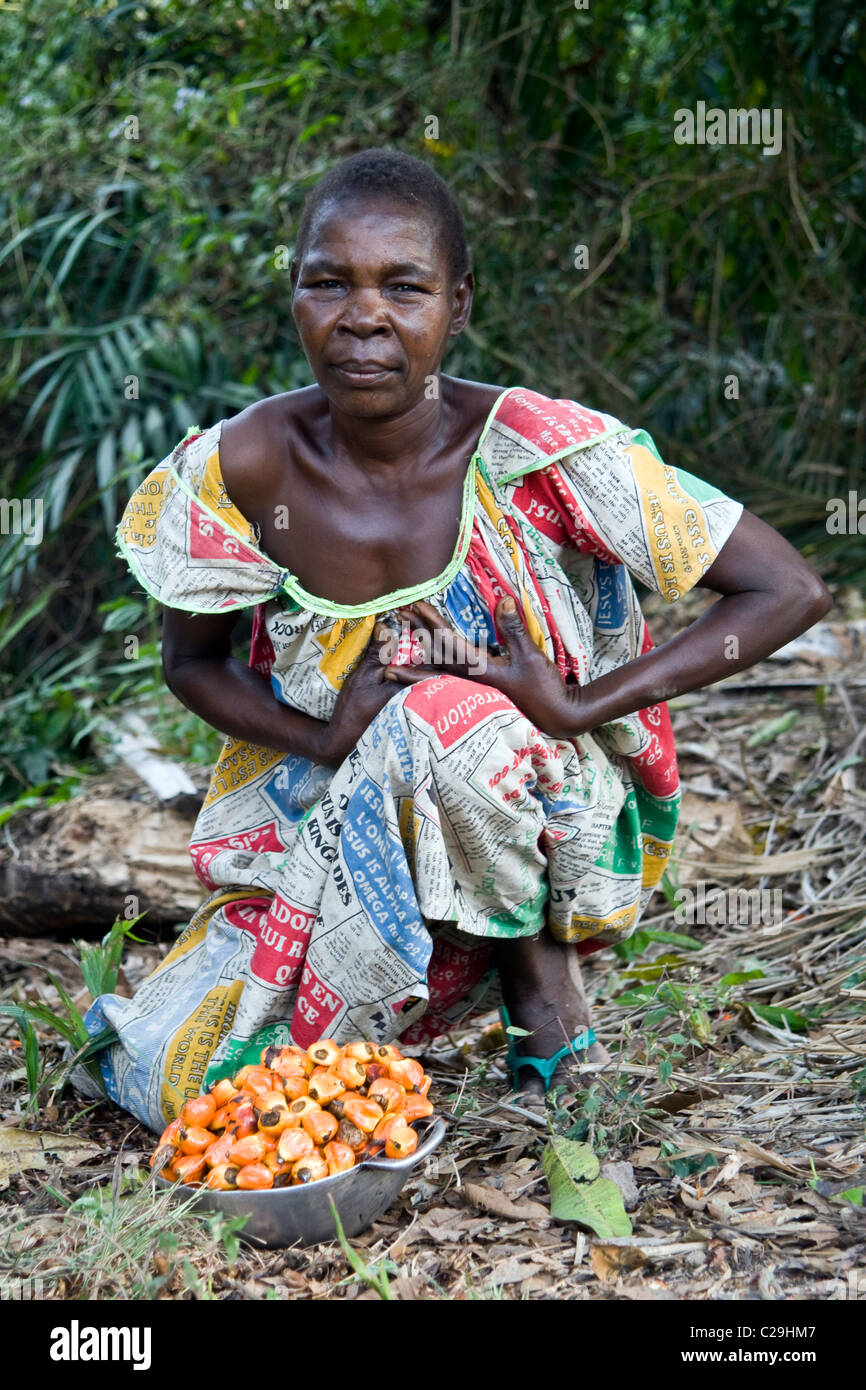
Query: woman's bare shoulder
[{"x": 256, "y": 443}]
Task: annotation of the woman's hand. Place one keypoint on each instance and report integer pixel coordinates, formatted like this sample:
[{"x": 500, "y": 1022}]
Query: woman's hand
[
  {"x": 521, "y": 671},
  {"x": 364, "y": 692}
]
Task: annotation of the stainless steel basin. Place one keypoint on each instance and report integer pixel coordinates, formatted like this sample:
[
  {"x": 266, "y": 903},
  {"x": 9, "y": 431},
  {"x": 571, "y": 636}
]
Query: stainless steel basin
[{"x": 302, "y": 1215}]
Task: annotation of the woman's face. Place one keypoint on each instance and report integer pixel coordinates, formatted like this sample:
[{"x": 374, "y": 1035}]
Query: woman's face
[{"x": 374, "y": 305}]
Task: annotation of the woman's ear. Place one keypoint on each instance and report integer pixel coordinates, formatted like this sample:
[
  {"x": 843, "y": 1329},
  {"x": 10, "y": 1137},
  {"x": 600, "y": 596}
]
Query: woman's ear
[{"x": 464, "y": 292}]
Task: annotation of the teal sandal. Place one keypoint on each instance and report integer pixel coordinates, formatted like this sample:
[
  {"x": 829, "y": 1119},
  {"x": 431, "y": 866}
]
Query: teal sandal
[{"x": 545, "y": 1066}]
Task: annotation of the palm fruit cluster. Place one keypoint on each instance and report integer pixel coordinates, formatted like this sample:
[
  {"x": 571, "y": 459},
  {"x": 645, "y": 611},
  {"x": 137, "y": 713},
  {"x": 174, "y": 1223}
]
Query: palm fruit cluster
[{"x": 296, "y": 1117}]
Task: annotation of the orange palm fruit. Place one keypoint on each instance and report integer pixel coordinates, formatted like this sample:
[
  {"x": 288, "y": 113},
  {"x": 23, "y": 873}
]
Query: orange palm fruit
[
  {"x": 339, "y": 1156},
  {"x": 259, "y": 1081},
  {"x": 194, "y": 1140},
  {"x": 251, "y": 1149},
  {"x": 387, "y": 1052},
  {"x": 222, "y": 1178},
  {"x": 168, "y": 1173},
  {"x": 361, "y": 1051},
  {"x": 352, "y": 1073},
  {"x": 163, "y": 1156},
  {"x": 255, "y": 1177},
  {"x": 383, "y": 1128},
  {"x": 310, "y": 1169},
  {"x": 320, "y": 1126},
  {"x": 287, "y": 1061},
  {"x": 336, "y": 1105},
  {"x": 402, "y": 1139},
  {"x": 324, "y": 1085},
  {"x": 301, "y": 1107},
  {"x": 364, "y": 1114},
  {"x": 294, "y": 1085},
  {"x": 353, "y": 1137},
  {"x": 199, "y": 1111},
  {"x": 294, "y": 1144},
  {"x": 222, "y": 1091},
  {"x": 220, "y": 1120},
  {"x": 324, "y": 1053},
  {"x": 407, "y": 1071},
  {"x": 416, "y": 1108},
  {"x": 274, "y": 1114},
  {"x": 387, "y": 1093},
  {"x": 375, "y": 1070},
  {"x": 217, "y": 1152},
  {"x": 243, "y": 1118},
  {"x": 425, "y": 1085},
  {"x": 170, "y": 1133},
  {"x": 190, "y": 1168}
]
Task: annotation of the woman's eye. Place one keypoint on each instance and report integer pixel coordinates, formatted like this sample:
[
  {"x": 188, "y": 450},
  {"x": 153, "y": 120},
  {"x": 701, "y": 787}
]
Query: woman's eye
[{"x": 324, "y": 284}]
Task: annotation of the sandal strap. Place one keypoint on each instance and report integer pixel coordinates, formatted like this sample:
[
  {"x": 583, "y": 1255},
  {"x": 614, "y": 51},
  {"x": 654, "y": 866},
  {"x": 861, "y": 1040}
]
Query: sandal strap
[{"x": 545, "y": 1066}]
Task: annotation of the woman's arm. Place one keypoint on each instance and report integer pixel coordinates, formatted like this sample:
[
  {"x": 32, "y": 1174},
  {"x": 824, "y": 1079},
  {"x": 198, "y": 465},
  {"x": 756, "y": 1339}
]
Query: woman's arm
[
  {"x": 769, "y": 595},
  {"x": 200, "y": 670}
]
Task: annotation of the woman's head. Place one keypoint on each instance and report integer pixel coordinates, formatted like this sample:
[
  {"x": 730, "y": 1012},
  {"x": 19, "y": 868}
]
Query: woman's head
[
  {"x": 391, "y": 176},
  {"x": 381, "y": 280}
]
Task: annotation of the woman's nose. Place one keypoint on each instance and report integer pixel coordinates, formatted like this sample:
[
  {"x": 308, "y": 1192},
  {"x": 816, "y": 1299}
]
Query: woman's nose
[{"x": 363, "y": 312}]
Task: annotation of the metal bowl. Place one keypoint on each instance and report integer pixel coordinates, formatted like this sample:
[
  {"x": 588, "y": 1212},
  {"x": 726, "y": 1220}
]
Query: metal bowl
[{"x": 302, "y": 1215}]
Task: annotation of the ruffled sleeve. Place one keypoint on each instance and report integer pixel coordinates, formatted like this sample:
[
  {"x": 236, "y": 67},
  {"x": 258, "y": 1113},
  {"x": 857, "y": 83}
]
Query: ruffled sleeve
[
  {"x": 617, "y": 499},
  {"x": 184, "y": 540}
]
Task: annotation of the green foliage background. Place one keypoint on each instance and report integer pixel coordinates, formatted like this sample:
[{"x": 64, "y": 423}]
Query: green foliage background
[{"x": 156, "y": 158}]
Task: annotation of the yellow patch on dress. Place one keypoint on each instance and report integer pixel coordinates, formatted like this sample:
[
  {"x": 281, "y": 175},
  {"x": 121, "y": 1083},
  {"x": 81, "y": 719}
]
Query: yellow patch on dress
[
  {"x": 192, "y": 1046},
  {"x": 143, "y": 510},
  {"x": 238, "y": 764},
  {"x": 582, "y": 928},
  {"x": 342, "y": 645},
  {"x": 212, "y": 494},
  {"x": 675, "y": 525},
  {"x": 656, "y": 854},
  {"x": 506, "y": 537}
]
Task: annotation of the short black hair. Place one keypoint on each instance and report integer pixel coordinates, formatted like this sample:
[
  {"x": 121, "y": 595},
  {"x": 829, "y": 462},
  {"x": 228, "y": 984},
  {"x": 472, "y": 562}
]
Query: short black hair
[{"x": 393, "y": 175}]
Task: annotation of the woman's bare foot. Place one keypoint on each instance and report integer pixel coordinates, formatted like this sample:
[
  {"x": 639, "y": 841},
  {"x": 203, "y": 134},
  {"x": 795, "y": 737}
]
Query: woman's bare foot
[{"x": 543, "y": 992}]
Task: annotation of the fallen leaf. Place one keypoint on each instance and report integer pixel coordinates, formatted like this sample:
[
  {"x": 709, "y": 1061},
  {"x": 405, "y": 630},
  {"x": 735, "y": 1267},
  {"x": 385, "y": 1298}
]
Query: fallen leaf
[
  {"x": 610, "y": 1262},
  {"x": 491, "y": 1199},
  {"x": 512, "y": 1271},
  {"x": 596, "y": 1204},
  {"x": 28, "y": 1149},
  {"x": 645, "y": 1156}
]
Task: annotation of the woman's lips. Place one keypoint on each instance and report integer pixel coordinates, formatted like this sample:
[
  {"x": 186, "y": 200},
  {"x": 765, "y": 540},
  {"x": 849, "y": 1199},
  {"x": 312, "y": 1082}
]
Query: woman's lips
[{"x": 366, "y": 373}]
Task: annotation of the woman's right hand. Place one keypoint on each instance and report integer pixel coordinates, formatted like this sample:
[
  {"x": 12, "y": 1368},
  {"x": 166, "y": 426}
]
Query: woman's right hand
[{"x": 364, "y": 692}]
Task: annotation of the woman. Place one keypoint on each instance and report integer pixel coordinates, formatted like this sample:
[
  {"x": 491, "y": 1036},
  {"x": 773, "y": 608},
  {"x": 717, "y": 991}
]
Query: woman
[{"x": 386, "y": 839}]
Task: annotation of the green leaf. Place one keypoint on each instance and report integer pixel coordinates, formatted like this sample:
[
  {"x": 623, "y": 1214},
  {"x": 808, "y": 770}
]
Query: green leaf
[
  {"x": 779, "y": 1017},
  {"x": 633, "y": 998},
  {"x": 853, "y": 1194},
  {"x": 595, "y": 1204},
  {"x": 653, "y": 970},
  {"x": 674, "y": 938},
  {"x": 739, "y": 977},
  {"x": 765, "y": 733}
]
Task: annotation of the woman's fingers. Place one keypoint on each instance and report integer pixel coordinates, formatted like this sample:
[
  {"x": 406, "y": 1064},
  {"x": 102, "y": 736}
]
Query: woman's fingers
[{"x": 426, "y": 615}]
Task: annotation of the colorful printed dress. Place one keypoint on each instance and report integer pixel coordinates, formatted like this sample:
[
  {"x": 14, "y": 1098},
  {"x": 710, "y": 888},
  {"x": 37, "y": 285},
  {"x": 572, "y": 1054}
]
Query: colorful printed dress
[{"x": 362, "y": 901}]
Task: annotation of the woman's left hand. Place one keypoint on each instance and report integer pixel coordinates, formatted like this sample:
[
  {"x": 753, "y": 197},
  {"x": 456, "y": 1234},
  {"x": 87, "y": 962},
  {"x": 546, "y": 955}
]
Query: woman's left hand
[{"x": 522, "y": 671}]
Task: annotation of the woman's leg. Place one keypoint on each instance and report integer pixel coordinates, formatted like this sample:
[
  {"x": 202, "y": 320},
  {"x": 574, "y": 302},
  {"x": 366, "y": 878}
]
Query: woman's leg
[{"x": 543, "y": 992}]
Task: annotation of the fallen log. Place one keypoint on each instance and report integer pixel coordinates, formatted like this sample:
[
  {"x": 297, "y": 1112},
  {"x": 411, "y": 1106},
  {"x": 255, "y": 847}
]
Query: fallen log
[{"x": 72, "y": 869}]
